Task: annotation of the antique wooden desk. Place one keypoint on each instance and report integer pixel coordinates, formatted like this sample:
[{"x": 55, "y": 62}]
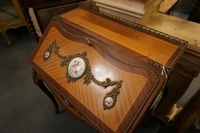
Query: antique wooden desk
[{"x": 104, "y": 72}]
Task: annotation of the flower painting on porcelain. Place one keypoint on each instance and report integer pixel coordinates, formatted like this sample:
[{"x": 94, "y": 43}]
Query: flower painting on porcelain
[{"x": 76, "y": 67}]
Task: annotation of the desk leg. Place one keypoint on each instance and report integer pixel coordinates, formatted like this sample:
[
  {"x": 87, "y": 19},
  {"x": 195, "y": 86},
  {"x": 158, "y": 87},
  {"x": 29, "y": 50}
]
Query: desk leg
[
  {"x": 41, "y": 85},
  {"x": 48, "y": 93}
]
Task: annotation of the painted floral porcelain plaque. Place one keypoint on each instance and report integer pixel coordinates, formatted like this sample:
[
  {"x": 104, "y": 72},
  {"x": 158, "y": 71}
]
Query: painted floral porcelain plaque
[{"x": 76, "y": 67}]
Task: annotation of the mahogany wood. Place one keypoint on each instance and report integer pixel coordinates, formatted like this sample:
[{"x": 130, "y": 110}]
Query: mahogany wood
[{"x": 114, "y": 51}]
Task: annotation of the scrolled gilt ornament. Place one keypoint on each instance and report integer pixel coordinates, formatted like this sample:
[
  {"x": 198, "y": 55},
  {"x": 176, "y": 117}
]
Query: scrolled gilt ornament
[{"x": 78, "y": 66}]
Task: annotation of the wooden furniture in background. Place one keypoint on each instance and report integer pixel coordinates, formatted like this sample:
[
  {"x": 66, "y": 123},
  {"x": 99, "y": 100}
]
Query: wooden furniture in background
[
  {"x": 122, "y": 74},
  {"x": 166, "y": 5},
  {"x": 188, "y": 67},
  {"x": 11, "y": 16},
  {"x": 39, "y": 8}
]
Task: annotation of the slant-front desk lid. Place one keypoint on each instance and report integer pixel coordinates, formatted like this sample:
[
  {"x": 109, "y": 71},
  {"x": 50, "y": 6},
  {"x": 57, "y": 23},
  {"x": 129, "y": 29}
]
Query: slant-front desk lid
[{"x": 110, "y": 72}]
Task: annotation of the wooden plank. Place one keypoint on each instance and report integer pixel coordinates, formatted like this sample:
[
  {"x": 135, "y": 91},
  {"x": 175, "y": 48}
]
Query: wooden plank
[
  {"x": 166, "y": 5},
  {"x": 177, "y": 27}
]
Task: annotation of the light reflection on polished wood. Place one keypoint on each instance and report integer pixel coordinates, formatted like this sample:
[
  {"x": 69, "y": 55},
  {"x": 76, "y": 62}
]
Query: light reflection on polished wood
[{"x": 150, "y": 48}]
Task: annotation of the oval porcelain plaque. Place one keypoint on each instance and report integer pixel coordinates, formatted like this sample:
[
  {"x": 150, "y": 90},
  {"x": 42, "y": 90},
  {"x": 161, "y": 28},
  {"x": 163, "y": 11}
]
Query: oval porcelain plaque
[
  {"x": 46, "y": 54},
  {"x": 109, "y": 101},
  {"x": 76, "y": 67}
]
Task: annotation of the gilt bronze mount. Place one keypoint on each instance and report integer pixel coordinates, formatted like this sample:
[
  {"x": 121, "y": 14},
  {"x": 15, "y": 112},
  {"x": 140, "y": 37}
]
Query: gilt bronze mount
[{"x": 78, "y": 66}]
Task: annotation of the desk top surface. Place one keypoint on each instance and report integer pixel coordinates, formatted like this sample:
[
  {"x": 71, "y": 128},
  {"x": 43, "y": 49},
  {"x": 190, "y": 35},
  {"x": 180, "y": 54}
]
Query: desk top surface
[{"x": 149, "y": 46}]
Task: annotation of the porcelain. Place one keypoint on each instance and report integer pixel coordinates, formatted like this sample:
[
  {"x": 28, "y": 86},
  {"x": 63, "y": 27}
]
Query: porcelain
[{"x": 76, "y": 67}]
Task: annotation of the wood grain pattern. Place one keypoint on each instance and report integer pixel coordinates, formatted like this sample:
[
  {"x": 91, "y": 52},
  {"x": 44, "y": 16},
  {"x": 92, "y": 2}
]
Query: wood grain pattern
[
  {"x": 91, "y": 96},
  {"x": 149, "y": 46},
  {"x": 174, "y": 26}
]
